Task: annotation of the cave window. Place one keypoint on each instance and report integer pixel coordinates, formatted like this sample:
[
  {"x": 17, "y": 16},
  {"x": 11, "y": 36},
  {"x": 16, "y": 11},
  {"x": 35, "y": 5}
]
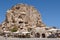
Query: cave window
[
  {"x": 19, "y": 17},
  {"x": 21, "y": 28},
  {"x": 27, "y": 35},
  {"x": 31, "y": 33},
  {"x": 29, "y": 29},
  {"x": 20, "y": 22},
  {"x": 37, "y": 35},
  {"x": 23, "y": 36},
  {"x": 26, "y": 22},
  {"x": 3, "y": 27},
  {"x": 43, "y": 35},
  {"x": 46, "y": 28},
  {"x": 13, "y": 21},
  {"x": 12, "y": 11},
  {"x": 7, "y": 21},
  {"x": 18, "y": 26},
  {"x": 17, "y": 7}
]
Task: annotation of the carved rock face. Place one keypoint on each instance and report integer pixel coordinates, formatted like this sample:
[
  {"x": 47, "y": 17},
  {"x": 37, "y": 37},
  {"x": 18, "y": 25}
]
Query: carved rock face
[
  {"x": 22, "y": 15},
  {"x": 25, "y": 20}
]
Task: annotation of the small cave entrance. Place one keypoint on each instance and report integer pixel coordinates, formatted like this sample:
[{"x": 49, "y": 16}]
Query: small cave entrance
[
  {"x": 20, "y": 22},
  {"x": 27, "y": 35},
  {"x": 20, "y": 16},
  {"x": 29, "y": 29},
  {"x": 26, "y": 22},
  {"x": 37, "y": 35},
  {"x": 13, "y": 21},
  {"x": 17, "y": 8},
  {"x": 43, "y": 35}
]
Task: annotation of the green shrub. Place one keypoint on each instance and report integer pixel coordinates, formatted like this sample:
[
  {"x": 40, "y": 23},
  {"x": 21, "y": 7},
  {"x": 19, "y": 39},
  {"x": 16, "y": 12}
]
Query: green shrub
[{"x": 14, "y": 29}]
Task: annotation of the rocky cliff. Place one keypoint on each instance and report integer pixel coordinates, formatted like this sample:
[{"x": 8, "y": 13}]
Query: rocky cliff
[
  {"x": 22, "y": 16},
  {"x": 24, "y": 21}
]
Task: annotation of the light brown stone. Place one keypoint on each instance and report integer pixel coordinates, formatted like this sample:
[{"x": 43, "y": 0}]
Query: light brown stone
[{"x": 24, "y": 17}]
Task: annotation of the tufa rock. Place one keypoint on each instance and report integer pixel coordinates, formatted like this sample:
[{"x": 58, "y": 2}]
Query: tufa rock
[
  {"x": 22, "y": 16},
  {"x": 24, "y": 21}
]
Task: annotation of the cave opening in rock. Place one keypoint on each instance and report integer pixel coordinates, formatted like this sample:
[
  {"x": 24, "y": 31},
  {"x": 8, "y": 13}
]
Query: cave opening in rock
[
  {"x": 43, "y": 35},
  {"x": 20, "y": 22},
  {"x": 17, "y": 7},
  {"x": 37, "y": 35}
]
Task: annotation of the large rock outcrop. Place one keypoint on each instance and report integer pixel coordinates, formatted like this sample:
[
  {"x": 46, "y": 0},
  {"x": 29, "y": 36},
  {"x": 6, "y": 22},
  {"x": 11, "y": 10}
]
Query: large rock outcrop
[
  {"x": 22, "y": 16},
  {"x": 24, "y": 21}
]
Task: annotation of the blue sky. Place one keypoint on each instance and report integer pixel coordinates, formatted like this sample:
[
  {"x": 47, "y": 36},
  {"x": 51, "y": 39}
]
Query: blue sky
[{"x": 49, "y": 10}]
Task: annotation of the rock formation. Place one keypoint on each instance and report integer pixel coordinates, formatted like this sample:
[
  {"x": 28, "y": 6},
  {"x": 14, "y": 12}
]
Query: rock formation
[
  {"x": 24, "y": 21},
  {"x": 22, "y": 16}
]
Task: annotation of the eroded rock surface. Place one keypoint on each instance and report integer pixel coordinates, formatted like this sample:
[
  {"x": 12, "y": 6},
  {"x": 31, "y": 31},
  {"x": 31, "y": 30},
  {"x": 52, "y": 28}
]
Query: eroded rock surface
[{"x": 22, "y": 16}]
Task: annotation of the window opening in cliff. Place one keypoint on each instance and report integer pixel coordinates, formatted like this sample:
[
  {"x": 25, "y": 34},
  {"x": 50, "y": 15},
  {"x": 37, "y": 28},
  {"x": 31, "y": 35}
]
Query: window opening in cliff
[
  {"x": 19, "y": 17},
  {"x": 13, "y": 21},
  {"x": 18, "y": 26},
  {"x": 27, "y": 35},
  {"x": 29, "y": 29},
  {"x": 21, "y": 28},
  {"x": 46, "y": 28},
  {"x": 7, "y": 21},
  {"x": 32, "y": 33},
  {"x": 43, "y": 35},
  {"x": 3, "y": 27},
  {"x": 22, "y": 36},
  {"x": 26, "y": 22},
  {"x": 20, "y": 22},
  {"x": 17, "y": 7},
  {"x": 37, "y": 35}
]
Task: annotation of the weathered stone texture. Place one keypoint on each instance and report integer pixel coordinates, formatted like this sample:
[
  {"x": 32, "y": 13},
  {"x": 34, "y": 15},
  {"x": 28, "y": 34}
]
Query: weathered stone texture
[
  {"x": 23, "y": 20},
  {"x": 23, "y": 15}
]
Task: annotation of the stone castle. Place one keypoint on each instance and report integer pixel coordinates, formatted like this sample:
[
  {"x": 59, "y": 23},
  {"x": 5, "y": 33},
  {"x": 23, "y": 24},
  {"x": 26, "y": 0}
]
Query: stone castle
[{"x": 24, "y": 21}]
